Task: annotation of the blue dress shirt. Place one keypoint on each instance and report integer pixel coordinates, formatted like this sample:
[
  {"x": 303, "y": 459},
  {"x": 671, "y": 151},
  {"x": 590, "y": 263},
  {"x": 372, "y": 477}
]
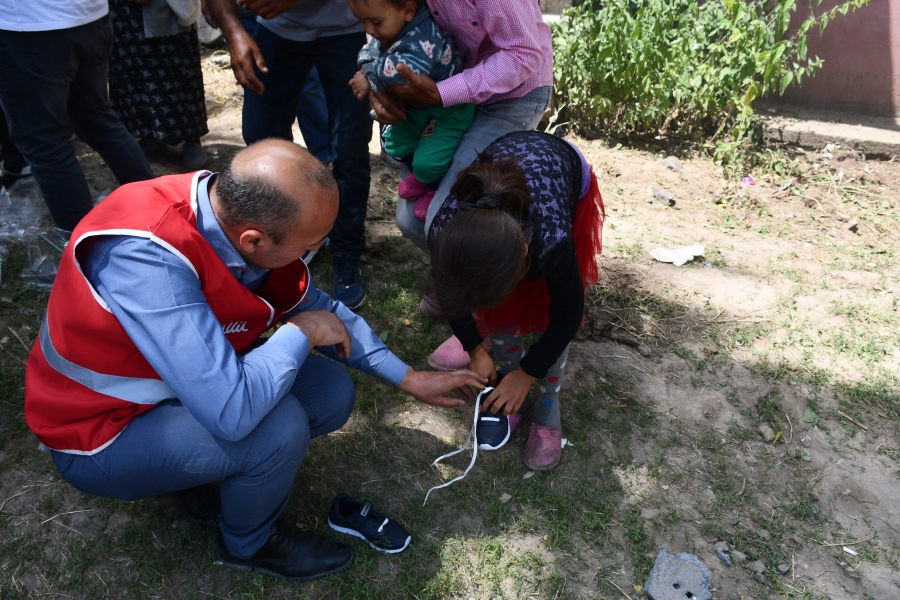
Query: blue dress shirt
[{"x": 157, "y": 299}]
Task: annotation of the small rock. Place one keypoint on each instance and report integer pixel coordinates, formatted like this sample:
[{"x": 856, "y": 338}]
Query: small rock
[
  {"x": 672, "y": 163},
  {"x": 783, "y": 568},
  {"x": 723, "y": 557},
  {"x": 504, "y": 498},
  {"x": 757, "y": 566},
  {"x": 735, "y": 521},
  {"x": 764, "y": 534},
  {"x": 644, "y": 350},
  {"x": 723, "y": 546},
  {"x": 759, "y": 578},
  {"x": 678, "y": 577},
  {"x": 766, "y": 432},
  {"x": 662, "y": 196},
  {"x": 649, "y": 199},
  {"x": 853, "y": 226},
  {"x": 739, "y": 556}
]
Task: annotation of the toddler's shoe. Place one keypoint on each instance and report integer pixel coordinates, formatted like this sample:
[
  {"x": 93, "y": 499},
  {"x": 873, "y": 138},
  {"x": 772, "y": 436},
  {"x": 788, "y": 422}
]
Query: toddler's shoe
[
  {"x": 361, "y": 520},
  {"x": 420, "y": 208},
  {"x": 429, "y": 306},
  {"x": 449, "y": 356},
  {"x": 543, "y": 448},
  {"x": 411, "y": 189}
]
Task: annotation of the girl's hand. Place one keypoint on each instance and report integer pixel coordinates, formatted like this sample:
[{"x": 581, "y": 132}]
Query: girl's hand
[
  {"x": 483, "y": 364},
  {"x": 510, "y": 393},
  {"x": 360, "y": 85}
]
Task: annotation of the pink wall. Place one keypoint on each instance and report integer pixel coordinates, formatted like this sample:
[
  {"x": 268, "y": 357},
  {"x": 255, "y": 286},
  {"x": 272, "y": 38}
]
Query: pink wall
[{"x": 861, "y": 72}]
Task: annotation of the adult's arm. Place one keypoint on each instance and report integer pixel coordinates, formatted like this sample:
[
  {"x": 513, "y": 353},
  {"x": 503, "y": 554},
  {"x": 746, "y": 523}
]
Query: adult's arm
[
  {"x": 170, "y": 322},
  {"x": 245, "y": 54},
  {"x": 516, "y": 36},
  {"x": 566, "y": 311},
  {"x": 369, "y": 355},
  {"x": 367, "y": 352}
]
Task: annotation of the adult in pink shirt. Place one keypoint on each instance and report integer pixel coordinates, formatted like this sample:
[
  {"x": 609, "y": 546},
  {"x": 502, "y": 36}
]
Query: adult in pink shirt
[{"x": 509, "y": 75}]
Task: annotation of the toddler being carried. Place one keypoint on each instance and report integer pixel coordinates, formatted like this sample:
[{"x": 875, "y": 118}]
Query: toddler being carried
[{"x": 403, "y": 31}]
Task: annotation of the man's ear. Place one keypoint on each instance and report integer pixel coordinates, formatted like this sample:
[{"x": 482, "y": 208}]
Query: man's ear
[{"x": 254, "y": 240}]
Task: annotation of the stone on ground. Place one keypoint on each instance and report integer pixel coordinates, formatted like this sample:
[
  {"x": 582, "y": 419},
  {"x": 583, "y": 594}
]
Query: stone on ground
[{"x": 676, "y": 577}]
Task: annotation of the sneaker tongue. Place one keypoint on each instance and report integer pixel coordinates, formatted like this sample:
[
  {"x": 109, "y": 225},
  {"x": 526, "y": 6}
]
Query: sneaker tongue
[{"x": 366, "y": 507}]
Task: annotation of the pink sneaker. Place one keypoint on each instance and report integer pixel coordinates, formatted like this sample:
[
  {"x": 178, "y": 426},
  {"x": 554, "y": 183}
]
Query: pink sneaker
[
  {"x": 411, "y": 189},
  {"x": 420, "y": 208},
  {"x": 429, "y": 306},
  {"x": 514, "y": 419},
  {"x": 449, "y": 356},
  {"x": 543, "y": 448}
]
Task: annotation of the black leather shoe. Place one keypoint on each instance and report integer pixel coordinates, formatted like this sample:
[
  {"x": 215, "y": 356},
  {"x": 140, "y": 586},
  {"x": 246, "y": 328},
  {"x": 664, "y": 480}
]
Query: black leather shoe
[
  {"x": 199, "y": 505},
  {"x": 293, "y": 554}
]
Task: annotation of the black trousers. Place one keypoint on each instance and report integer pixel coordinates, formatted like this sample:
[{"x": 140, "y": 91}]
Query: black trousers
[{"x": 54, "y": 82}]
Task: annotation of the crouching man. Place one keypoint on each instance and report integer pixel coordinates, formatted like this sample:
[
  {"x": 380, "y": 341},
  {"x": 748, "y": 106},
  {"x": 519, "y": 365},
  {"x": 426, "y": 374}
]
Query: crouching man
[{"x": 138, "y": 384}]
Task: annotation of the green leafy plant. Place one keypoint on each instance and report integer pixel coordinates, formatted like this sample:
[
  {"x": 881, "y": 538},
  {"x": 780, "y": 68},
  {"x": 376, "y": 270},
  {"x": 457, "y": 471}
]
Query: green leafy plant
[{"x": 682, "y": 69}]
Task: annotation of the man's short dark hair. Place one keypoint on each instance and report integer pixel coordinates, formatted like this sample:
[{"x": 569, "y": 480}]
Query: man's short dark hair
[{"x": 251, "y": 200}]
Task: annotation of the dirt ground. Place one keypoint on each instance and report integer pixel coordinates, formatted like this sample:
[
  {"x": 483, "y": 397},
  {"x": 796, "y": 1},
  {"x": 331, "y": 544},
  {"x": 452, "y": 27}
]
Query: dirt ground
[{"x": 748, "y": 398}]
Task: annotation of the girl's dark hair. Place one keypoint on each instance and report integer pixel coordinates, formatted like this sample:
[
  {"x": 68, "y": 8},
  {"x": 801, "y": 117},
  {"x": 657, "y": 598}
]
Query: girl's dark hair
[{"x": 479, "y": 257}]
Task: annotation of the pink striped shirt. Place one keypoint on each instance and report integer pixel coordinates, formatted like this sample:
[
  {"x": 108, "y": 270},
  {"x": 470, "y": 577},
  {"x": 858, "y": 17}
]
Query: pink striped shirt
[{"x": 505, "y": 44}]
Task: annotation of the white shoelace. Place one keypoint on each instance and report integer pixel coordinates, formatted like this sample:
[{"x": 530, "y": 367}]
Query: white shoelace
[{"x": 471, "y": 436}]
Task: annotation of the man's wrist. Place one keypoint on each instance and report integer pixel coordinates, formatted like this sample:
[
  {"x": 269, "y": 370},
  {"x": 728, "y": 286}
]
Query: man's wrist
[{"x": 404, "y": 383}]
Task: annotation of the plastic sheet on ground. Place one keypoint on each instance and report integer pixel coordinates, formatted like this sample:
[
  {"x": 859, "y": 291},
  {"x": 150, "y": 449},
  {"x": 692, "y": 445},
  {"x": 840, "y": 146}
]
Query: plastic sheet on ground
[
  {"x": 44, "y": 248},
  {"x": 679, "y": 256},
  {"x": 23, "y": 213},
  {"x": 22, "y": 210}
]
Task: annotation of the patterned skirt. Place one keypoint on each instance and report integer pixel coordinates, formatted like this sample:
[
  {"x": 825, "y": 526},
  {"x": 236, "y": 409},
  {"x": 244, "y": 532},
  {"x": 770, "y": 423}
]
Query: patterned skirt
[{"x": 155, "y": 84}]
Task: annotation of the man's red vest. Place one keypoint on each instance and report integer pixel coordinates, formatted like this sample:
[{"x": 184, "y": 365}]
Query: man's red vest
[{"x": 85, "y": 379}]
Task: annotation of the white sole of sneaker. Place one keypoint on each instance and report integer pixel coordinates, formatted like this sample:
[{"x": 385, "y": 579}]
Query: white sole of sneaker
[{"x": 355, "y": 533}]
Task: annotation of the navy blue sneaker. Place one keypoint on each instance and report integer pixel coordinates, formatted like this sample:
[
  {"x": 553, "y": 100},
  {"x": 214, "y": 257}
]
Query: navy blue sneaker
[
  {"x": 361, "y": 520},
  {"x": 349, "y": 285},
  {"x": 492, "y": 430}
]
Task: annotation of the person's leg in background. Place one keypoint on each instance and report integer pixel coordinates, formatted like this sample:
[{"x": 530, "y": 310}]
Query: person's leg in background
[
  {"x": 166, "y": 450},
  {"x": 271, "y": 114},
  {"x": 14, "y": 165},
  {"x": 36, "y": 76},
  {"x": 312, "y": 112},
  {"x": 91, "y": 115},
  {"x": 351, "y": 131},
  {"x": 312, "y": 118},
  {"x": 491, "y": 122}
]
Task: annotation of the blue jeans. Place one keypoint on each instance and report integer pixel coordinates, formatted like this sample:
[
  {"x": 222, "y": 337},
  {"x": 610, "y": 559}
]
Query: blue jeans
[
  {"x": 271, "y": 115},
  {"x": 491, "y": 121},
  {"x": 166, "y": 450},
  {"x": 312, "y": 112},
  {"x": 54, "y": 81}
]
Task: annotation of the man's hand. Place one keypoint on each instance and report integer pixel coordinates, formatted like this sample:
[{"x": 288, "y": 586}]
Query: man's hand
[
  {"x": 322, "y": 328},
  {"x": 244, "y": 55},
  {"x": 482, "y": 363},
  {"x": 417, "y": 87},
  {"x": 431, "y": 387},
  {"x": 207, "y": 14},
  {"x": 360, "y": 85},
  {"x": 267, "y": 9},
  {"x": 244, "y": 51},
  {"x": 510, "y": 393},
  {"x": 386, "y": 110}
]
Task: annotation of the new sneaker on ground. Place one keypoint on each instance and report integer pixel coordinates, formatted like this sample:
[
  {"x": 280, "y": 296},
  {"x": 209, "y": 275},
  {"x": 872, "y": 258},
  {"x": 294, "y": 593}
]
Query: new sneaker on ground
[{"x": 361, "y": 520}]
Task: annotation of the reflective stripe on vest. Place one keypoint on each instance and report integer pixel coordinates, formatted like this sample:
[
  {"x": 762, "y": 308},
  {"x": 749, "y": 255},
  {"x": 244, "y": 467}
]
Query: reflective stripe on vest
[{"x": 131, "y": 389}]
